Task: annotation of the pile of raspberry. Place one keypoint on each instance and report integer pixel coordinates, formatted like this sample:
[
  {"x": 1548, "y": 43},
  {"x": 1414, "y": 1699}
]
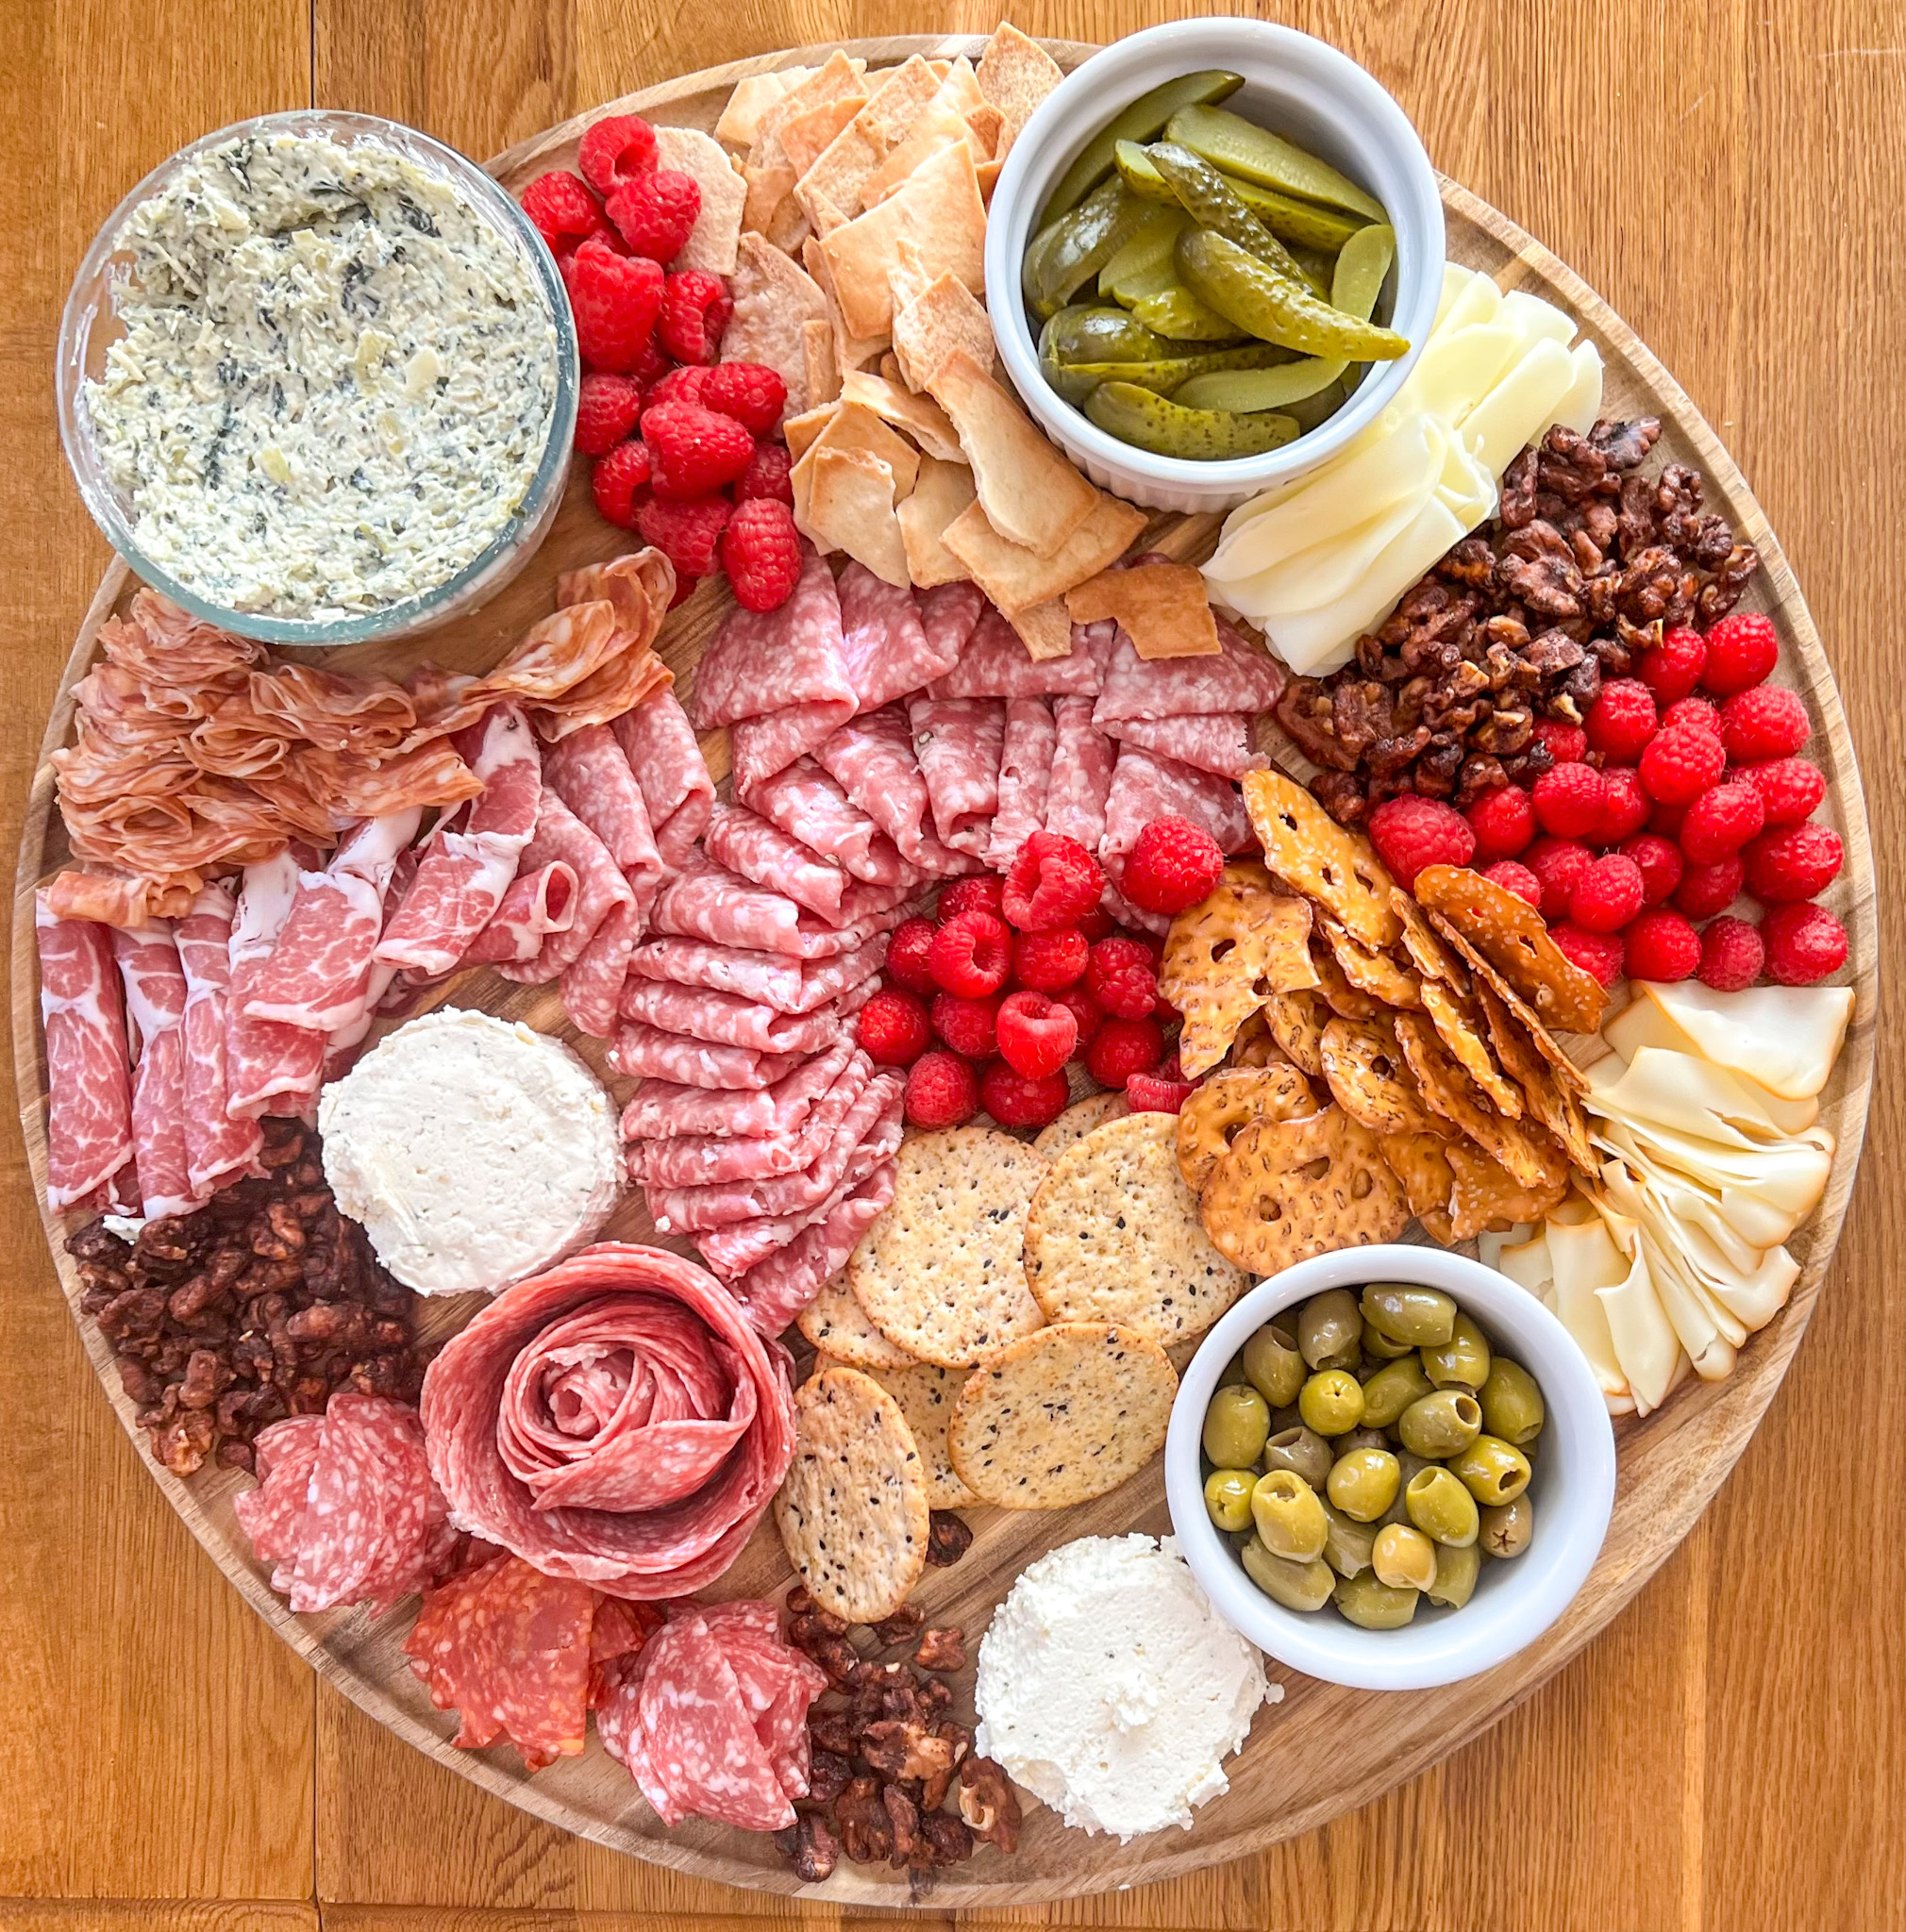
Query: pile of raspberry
[
  {"x": 685, "y": 445},
  {"x": 987, "y": 1003},
  {"x": 1681, "y": 788}
]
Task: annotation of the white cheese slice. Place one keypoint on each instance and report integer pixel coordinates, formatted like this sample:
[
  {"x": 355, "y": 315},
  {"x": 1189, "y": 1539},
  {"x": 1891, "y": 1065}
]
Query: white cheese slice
[
  {"x": 1785, "y": 1037},
  {"x": 1584, "y": 1258}
]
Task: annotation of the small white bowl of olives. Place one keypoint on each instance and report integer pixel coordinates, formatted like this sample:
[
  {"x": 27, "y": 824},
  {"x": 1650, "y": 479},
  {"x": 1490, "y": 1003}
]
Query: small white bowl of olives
[{"x": 1390, "y": 1468}]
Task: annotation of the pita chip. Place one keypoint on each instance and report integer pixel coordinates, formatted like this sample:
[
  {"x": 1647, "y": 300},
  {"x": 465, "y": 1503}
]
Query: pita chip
[
  {"x": 835, "y": 79},
  {"x": 919, "y": 416},
  {"x": 805, "y": 138},
  {"x": 938, "y": 208},
  {"x": 854, "y": 427},
  {"x": 1031, "y": 495},
  {"x": 822, "y": 372},
  {"x": 850, "y": 508},
  {"x": 773, "y": 299},
  {"x": 1015, "y": 75},
  {"x": 723, "y": 196},
  {"x": 850, "y": 351},
  {"x": 803, "y": 431},
  {"x": 942, "y": 492},
  {"x": 740, "y": 123},
  {"x": 898, "y": 101},
  {"x": 943, "y": 319},
  {"x": 1161, "y": 607},
  {"x": 836, "y": 173},
  {"x": 1045, "y": 628},
  {"x": 1014, "y": 578},
  {"x": 888, "y": 369},
  {"x": 768, "y": 188}
]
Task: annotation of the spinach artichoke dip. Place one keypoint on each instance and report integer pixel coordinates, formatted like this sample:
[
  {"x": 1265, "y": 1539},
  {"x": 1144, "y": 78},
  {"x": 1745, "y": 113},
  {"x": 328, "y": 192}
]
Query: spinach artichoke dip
[{"x": 337, "y": 379}]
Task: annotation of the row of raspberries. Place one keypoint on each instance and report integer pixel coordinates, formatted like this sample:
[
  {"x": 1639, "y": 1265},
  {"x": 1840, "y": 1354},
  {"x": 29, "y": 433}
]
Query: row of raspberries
[{"x": 1680, "y": 789}]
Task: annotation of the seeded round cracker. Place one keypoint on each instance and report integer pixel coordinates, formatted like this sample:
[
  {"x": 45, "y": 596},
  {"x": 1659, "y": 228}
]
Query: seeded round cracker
[
  {"x": 940, "y": 1272},
  {"x": 1062, "y": 1416},
  {"x": 927, "y": 1396},
  {"x": 1078, "y": 1121},
  {"x": 838, "y": 1325},
  {"x": 852, "y": 1510},
  {"x": 1114, "y": 1236}
]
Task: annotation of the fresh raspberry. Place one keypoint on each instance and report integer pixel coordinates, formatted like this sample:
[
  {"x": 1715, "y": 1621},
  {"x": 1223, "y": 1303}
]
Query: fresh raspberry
[
  {"x": 605, "y": 412},
  {"x": 1791, "y": 788},
  {"x": 1097, "y": 923},
  {"x": 1122, "y": 1048},
  {"x": 1793, "y": 862},
  {"x": 1516, "y": 879},
  {"x": 893, "y": 1029},
  {"x": 1036, "y": 1035},
  {"x": 1624, "y": 806},
  {"x": 1699, "y": 714},
  {"x": 1673, "y": 668},
  {"x": 685, "y": 586},
  {"x": 1054, "y": 881},
  {"x": 1173, "y": 865},
  {"x": 1742, "y": 650},
  {"x": 1598, "y": 954},
  {"x": 649, "y": 367},
  {"x": 1565, "y": 743},
  {"x": 675, "y": 386},
  {"x": 1665, "y": 821},
  {"x": 767, "y": 477},
  {"x": 1621, "y": 720},
  {"x": 615, "y": 481},
  {"x": 968, "y": 1026},
  {"x": 1661, "y": 865},
  {"x": 979, "y": 894},
  {"x": 1721, "y": 821},
  {"x": 688, "y": 534},
  {"x": 1163, "y": 1091},
  {"x": 1569, "y": 798},
  {"x": 1409, "y": 832},
  {"x": 1804, "y": 943},
  {"x": 694, "y": 310},
  {"x": 1047, "y": 961},
  {"x": 1706, "y": 890},
  {"x": 1503, "y": 823},
  {"x": 614, "y": 299},
  {"x": 562, "y": 211},
  {"x": 762, "y": 554},
  {"x": 1608, "y": 894},
  {"x": 943, "y": 1090},
  {"x": 751, "y": 393},
  {"x": 694, "y": 450},
  {"x": 907, "y": 953},
  {"x": 656, "y": 213},
  {"x": 970, "y": 954},
  {"x": 1731, "y": 955},
  {"x": 1557, "y": 864},
  {"x": 614, "y": 151},
  {"x": 1016, "y": 1101},
  {"x": 1122, "y": 977},
  {"x": 1662, "y": 946},
  {"x": 1769, "y": 721},
  {"x": 1680, "y": 764},
  {"x": 1083, "y": 1008}
]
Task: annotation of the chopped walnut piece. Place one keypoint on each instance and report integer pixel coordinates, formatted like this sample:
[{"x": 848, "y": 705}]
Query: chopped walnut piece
[
  {"x": 941, "y": 1650},
  {"x": 989, "y": 1803},
  {"x": 948, "y": 1538}
]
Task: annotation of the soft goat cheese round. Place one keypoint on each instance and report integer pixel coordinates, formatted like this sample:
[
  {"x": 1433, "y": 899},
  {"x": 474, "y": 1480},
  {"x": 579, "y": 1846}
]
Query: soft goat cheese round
[
  {"x": 473, "y": 1150},
  {"x": 1110, "y": 1688}
]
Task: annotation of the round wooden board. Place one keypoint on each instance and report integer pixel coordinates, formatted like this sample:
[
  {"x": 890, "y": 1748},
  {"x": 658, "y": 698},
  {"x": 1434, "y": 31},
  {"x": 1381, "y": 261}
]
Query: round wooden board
[{"x": 1317, "y": 1754}]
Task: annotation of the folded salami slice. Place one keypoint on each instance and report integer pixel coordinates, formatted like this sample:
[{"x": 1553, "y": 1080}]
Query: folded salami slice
[
  {"x": 958, "y": 743},
  {"x": 670, "y": 1110},
  {"x": 725, "y": 1020},
  {"x": 995, "y": 664},
  {"x": 581, "y": 1378},
  {"x": 660, "y": 744},
  {"x": 1239, "y": 678},
  {"x": 773, "y": 980},
  {"x": 1145, "y": 786},
  {"x": 708, "y": 902},
  {"x": 600, "y": 888},
  {"x": 1025, "y": 779},
  {"x": 885, "y": 646},
  {"x": 591, "y": 772},
  {"x": 872, "y": 759},
  {"x": 1082, "y": 763},
  {"x": 1214, "y": 741},
  {"x": 776, "y": 1291},
  {"x": 644, "y": 1052},
  {"x": 593, "y": 983},
  {"x": 759, "y": 850},
  {"x": 536, "y": 904},
  {"x": 811, "y": 808},
  {"x": 759, "y": 747},
  {"x": 766, "y": 661},
  {"x": 947, "y": 614}
]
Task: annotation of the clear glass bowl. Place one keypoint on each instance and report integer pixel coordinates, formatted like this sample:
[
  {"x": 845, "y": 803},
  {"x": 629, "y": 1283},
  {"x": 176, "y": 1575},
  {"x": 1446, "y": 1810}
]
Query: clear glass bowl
[{"x": 89, "y": 325}]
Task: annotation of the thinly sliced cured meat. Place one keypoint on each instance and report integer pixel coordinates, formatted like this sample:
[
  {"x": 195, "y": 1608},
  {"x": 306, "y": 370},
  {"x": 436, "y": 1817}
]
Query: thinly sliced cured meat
[
  {"x": 643, "y": 1052},
  {"x": 811, "y": 808},
  {"x": 774, "y": 1291},
  {"x": 1239, "y": 678},
  {"x": 89, "y": 1062},
  {"x": 958, "y": 743},
  {"x": 701, "y": 1161},
  {"x": 536, "y": 904},
  {"x": 725, "y": 1020},
  {"x": 283, "y": 1455},
  {"x": 773, "y": 980},
  {"x": 759, "y": 850},
  {"x": 600, "y": 888},
  {"x": 671, "y": 1110},
  {"x": 948, "y": 613},
  {"x": 342, "y": 1044},
  {"x": 995, "y": 664},
  {"x": 154, "y": 983},
  {"x": 465, "y": 872},
  {"x": 219, "y": 1146},
  {"x": 1025, "y": 778},
  {"x": 872, "y": 759},
  {"x": 885, "y": 646},
  {"x": 486, "y": 1406},
  {"x": 1082, "y": 763},
  {"x": 593, "y": 775},
  {"x": 759, "y": 747},
  {"x": 1145, "y": 786},
  {"x": 708, "y": 902},
  {"x": 266, "y": 1063},
  {"x": 618, "y": 1634},
  {"x": 1214, "y": 741},
  {"x": 761, "y": 662},
  {"x": 660, "y": 744},
  {"x": 593, "y": 983}
]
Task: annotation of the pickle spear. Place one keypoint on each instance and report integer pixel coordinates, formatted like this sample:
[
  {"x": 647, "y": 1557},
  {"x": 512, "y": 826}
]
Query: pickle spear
[
  {"x": 1175, "y": 312},
  {"x": 1239, "y": 287},
  {"x": 1361, "y": 263},
  {"x": 1240, "y": 147},
  {"x": 1067, "y": 253},
  {"x": 1136, "y": 170},
  {"x": 1303, "y": 223},
  {"x": 1146, "y": 420},
  {"x": 1082, "y": 334},
  {"x": 1141, "y": 121},
  {"x": 1209, "y": 199},
  {"x": 1243, "y": 390},
  {"x": 1153, "y": 239}
]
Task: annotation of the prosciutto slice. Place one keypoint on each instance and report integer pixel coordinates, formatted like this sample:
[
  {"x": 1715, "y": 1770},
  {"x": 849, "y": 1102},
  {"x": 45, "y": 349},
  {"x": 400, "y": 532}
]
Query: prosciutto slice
[
  {"x": 958, "y": 743},
  {"x": 872, "y": 760},
  {"x": 788, "y": 985},
  {"x": 1239, "y": 678},
  {"x": 594, "y": 778},
  {"x": 723, "y": 1020},
  {"x": 641, "y": 1052},
  {"x": 995, "y": 665},
  {"x": 219, "y": 1146},
  {"x": 154, "y": 1003},
  {"x": 600, "y": 888},
  {"x": 1024, "y": 776},
  {"x": 811, "y": 808},
  {"x": 265, "y": 1060},
  {"x": 1214, "y": 741},
  {"x": 1082, "y": 763},
  {"x": 666, "y": 1110},
  {"x": 88, "y": 1066},
  {"x": 884, "y": 644},
  {"x": 758, "y": 850},
  {"x": 660, "y": 744},
  {"x": 536, "y": 904},
  {"x": 774, "y": 1292}
]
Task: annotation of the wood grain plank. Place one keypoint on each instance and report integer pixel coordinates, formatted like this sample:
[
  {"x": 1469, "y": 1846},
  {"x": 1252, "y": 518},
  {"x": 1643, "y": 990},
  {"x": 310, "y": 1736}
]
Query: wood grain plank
[{"x": 157, "y": 1915}]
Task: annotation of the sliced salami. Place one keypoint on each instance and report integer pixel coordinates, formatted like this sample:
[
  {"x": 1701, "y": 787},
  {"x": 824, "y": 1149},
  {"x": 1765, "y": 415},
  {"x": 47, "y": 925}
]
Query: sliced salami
[
  {"x": 643, "y": 1052},
  {"x": 958, "y": 743},
  {"x": 995, "y": 665},
  {"x": 759, "y": 850},
  {"x": 723, "y": 1020},
  {"x": 536, "y": 904},
  {"x": 947, "y": 614},
  {"x": 708, "y": 902},
  {"x": 1082, "y": 763},
  {"x": 812, "y": 810},
  {"x": 1025, "y": 779},
  {"x": 660, "y": 744},
  {"x": 600, "y": 888},
  {"x": 669, "y": 1110},
  {"x": 89, "y": 1061},
  {"x": 884, "y": 643},
  {"x": 593, "y": 983},
  {"x": 697, "y": 1163},
  {"x": 1145, "y": 786},
  {"x": 774, "y": 1291},
  {"x": 1214, "y": 741},
  {"x": 591, "y": 772},
  {"x": 872, "y": 760},
  {"x": 765, "y": 662},
  {"x": 788, "y": 984},
  {"x": 1239, "y": 678}
]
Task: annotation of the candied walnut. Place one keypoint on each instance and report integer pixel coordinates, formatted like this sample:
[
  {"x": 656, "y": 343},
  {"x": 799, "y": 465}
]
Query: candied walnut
[
  {"x": 903, "y": 1821},
  {"x": 988, "y": 1803},
  {"x": 901, "y": 1624},
  {"x": 903, "y": 1748},
  {"x": 1478, "y": 777},
  {"x": 1718, "y": 599},
  {"x": 948, "y": 1538},
  {"x": 829, "y": 1775},
  {"x": 1344, "y": 797},
  {"x": 945, "y": 1840},
  {"x": 867, "y": 1832},
  {"x": 1437, "y": 768},
  {"x": 810, "y": 1849},
  {"x": 941, "y": 1650},
  {"x": 1518, "y": 506},
  {"x": 1626, "y": 444}
]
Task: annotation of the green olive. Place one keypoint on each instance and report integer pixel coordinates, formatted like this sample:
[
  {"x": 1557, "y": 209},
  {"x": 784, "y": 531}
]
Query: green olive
[
  {"x": 1374, "y": 1606},
  {"x": 1463, "y": 1361},
  {"x": 1289, "y": 1516},
  {"x": 1363, "y": 1483},
  {"x": 1331, "y": 1402},
  {"x": 1404, "y": 1558},
  {"x": 1511, "y": 1404},
  {"x": 1441, "y": 1507},
  {"x": 1492, "y": 1470},
  {"x": 1330, "y": 1331},
  {"x": 1408, "y": 1466},
  {"x": 1508, "y": 1528},
  {"x": 1288, "y": 1417},
  {"x": 1379, "y": 1345},
  {"x": 1236, "y": 1424},
  {"x": 1348, "y": 1546},
  {"x": 1419, "y": 1317},
  {"x": 1443, "y": 1424},
  {"x": 1228, "y": 1497},
  {"x": 1393, "y": 1389},
  {"x": 1302, "y": 1451},
  {"x": 1273, "y": 1366},
  {"x": 1455, "y": 1572},
  {"x": 1298, "y": 1586},
  {"x": 1361, "y": 1437}
]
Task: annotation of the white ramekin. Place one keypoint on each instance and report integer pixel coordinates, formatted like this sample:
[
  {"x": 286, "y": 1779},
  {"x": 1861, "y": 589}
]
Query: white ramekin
[
  {"x": 1295, "y": 85},
  {"x": 1515, "y": 1601}
]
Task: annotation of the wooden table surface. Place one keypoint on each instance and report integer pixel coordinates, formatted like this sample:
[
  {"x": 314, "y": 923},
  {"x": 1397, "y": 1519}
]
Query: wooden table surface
[{"x": 1727, "y": 1756}]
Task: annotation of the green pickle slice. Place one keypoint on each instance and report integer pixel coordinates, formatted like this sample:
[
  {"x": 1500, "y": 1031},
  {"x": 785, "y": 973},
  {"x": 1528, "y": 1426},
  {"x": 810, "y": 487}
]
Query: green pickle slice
[
  {"x": 1303, "y": 223},
  {"x": 1085, "y": 334},
  {"x": 1209, "y": 199},
  {"x": 1143, "y": 121},
  {"x": 1247, "y": 389},
  {"x": 1175, "y": 311},
  {"x": 1140, "y": 175},
  {"x": 1067, "y": 253},
  {"x": 1153, "y": 239},
  {"x": 1241, "y": 148},
  {"x": 1238, "y": 286},
  {"x": 1146, "y": 420}
]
